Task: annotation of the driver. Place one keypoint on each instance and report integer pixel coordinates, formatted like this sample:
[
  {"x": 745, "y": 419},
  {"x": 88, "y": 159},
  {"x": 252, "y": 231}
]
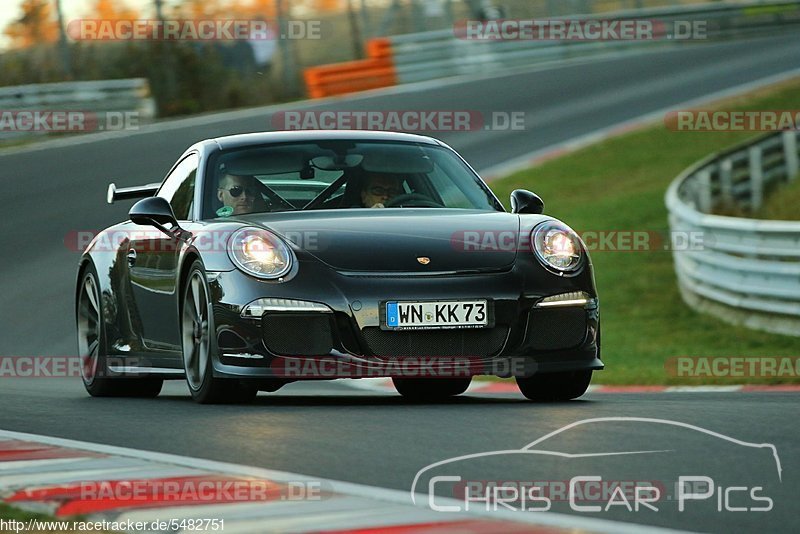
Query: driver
[
  {"x": 238, "y": 194},
  {"x": 380, "y": 189}
]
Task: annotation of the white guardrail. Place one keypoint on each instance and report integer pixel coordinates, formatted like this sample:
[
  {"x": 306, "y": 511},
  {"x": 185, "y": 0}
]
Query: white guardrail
[
  {"x": 103, "y": 98},
  {"x": 438, "y": 54},
  {"x": 746, "y": 271}
]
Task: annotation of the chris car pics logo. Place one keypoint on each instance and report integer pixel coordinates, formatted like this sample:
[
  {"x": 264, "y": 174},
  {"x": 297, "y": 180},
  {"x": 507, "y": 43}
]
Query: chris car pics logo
[{"x": 447, "y": 485}]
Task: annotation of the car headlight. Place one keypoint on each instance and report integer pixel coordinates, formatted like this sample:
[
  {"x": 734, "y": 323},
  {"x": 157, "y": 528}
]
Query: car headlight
[
  {"x": 557, "y": 246},
  {"x": 260, "y": 253}
]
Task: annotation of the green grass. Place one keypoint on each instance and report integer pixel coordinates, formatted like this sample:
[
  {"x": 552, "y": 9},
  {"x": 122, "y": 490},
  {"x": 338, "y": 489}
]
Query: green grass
[
  {"x": 11, "y": 143},
  {"x": 783, "y": 204},
  {"x": 9, "y": 513},
  {"x": 619, "y": 184}
]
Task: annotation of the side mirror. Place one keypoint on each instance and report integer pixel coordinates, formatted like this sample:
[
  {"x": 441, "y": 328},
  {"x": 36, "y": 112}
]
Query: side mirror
[
  {"x": 156, "y": 211},
  {"x": 523, "y": 201}
]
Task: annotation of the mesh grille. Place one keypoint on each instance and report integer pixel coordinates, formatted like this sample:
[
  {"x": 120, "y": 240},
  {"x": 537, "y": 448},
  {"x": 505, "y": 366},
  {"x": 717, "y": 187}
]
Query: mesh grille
[
  {"x": 297, "y": 334},
  {"x": 478, "y": 343},
  {"x": 556, "y": 329}
]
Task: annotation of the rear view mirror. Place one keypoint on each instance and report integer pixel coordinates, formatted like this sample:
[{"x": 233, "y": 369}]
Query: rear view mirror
[{"x": 337, "y": 163}]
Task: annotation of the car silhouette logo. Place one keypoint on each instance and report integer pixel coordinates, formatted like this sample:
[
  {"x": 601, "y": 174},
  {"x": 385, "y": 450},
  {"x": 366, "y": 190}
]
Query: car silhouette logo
[{"x": 424, "y": 260}]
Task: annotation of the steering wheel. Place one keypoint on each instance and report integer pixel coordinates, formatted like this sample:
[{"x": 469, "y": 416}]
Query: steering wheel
[{"x": 413, "y": 199}]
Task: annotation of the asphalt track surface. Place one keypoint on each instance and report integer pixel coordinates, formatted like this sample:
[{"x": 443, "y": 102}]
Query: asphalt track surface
[{"x": 333, "y": 431}]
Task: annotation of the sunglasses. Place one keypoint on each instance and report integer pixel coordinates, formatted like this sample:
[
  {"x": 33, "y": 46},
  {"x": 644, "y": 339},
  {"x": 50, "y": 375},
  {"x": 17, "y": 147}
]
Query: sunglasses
[
  {"x": 379, "y": 191},
  {"x": 237, "y": 190}
]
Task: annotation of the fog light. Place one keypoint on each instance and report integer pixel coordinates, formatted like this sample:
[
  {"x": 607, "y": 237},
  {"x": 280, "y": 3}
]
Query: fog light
[
  {"x": 574, "y": 298},
  {"x": 256, "y": 309}
]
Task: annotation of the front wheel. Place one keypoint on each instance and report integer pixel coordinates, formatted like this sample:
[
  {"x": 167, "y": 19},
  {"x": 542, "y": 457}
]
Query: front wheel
[
  {"x": 428, "y": 389},
  {"x": 196, "y": 325},
  {"x": 550, "y": 387},
  {"x": 95, "y": 373}
]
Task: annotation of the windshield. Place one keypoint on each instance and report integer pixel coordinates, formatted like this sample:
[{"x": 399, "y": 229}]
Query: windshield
[{"x": 341, "y": 175}]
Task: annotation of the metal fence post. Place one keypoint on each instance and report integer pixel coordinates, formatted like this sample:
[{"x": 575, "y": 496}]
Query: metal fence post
[
  {"x": 289, "y": 74},
  {"x": 388, "y": 18},
  {"x": 756, "y": 178},
  {"x": 790, "y": 153},
  {"x": 726, "y": 181},
  {"x": 704, "y": 198},
  {"x": 63, "y": 45},
  {"x": 366, "y": 28}
]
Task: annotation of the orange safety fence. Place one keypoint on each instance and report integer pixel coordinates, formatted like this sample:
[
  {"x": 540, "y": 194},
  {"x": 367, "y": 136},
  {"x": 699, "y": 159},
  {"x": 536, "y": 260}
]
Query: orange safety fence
[{"x": 341, "y": 78}]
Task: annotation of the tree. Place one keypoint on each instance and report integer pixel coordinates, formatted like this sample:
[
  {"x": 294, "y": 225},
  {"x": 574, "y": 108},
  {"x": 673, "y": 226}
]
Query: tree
[
  {"x": 113, "y": 10},
  {"x": 253, "y": 8},
  {"x": 201, "y": 9},
  {"x": 36, "y": 25},
  {"x": 326, "y": 5}
]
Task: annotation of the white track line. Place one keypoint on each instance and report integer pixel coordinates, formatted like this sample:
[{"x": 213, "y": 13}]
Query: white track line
[
  {"x": 384, "y": 385},
  {"x": 26, "y": 464}
]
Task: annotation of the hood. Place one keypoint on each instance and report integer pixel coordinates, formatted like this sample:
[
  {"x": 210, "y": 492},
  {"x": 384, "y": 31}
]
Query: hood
[{"x": 386, "y": 240}]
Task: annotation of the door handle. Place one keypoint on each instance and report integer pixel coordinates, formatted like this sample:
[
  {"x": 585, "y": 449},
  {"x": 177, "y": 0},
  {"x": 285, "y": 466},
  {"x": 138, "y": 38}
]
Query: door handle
[{"x": 131, "y": 257}]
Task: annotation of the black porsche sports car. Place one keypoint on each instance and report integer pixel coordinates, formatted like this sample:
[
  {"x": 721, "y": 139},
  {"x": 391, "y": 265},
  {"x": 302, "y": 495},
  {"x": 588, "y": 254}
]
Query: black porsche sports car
[{"x": 266, "y": 258}]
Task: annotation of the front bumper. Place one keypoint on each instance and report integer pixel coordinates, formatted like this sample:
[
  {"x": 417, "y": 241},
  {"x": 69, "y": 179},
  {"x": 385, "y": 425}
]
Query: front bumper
[{"x": 344, "y": 339}]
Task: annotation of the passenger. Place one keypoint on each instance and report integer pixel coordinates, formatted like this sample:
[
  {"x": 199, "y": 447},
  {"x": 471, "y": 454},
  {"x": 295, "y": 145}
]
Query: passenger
[{"x": 379, "y": 190}]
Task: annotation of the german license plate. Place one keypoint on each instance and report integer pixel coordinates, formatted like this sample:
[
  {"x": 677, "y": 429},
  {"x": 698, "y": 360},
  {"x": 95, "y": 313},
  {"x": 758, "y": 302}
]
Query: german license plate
[{"x": 441, "y": 314}]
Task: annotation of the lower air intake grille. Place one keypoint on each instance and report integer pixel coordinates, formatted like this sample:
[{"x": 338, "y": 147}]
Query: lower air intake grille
[
  {"x": 556, "y": 329},
  {"x": 297, "y": 334},
  {"x": 478, "y": 343}
]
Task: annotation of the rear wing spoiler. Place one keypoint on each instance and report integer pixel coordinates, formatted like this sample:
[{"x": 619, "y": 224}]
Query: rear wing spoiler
[{"x": 125, "y": 193}]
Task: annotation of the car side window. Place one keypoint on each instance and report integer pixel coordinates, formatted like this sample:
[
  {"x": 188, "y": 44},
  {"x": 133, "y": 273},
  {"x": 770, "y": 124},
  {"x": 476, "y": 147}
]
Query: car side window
[{"x": 178, "y": 187}]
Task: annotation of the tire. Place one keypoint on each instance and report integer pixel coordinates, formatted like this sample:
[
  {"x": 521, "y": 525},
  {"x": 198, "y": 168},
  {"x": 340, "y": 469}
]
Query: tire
[
  {"x": 551, "y": 387},
  {"x": 196, "y": 322},
  {"x": 430, "y": 389},
  {"x": 95, "y": 374}
]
